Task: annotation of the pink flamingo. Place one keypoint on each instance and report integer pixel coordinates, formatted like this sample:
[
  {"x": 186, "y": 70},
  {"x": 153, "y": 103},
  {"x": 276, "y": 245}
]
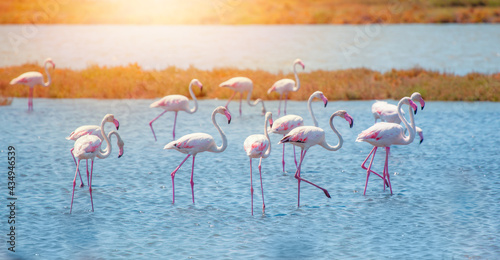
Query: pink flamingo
[
  {"x": 192, "y": 144},
  {"x": 285, "y": 124},
  {"x": 284, "y": 86},
  {"x": 33, "y": 78},
  {"x": 259, "y": 146},
  {"x": 242, "y": 84},
  {"x": 388, "y": 112},
  {"x": 307, "y": 136},
  {"x": 385, "y": 134},
  {"x": 89, "y": 147},
  {"x": 176, "y": 103},
  {"x": 91, "y": 130}
]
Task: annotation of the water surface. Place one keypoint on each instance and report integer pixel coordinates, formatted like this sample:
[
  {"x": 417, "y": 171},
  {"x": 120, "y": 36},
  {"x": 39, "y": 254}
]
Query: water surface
[{"x": 445, "y": 202}]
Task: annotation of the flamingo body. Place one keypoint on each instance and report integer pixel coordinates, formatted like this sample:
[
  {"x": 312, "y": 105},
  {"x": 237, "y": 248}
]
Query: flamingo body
[
  {"x": 176, "y": 103},
  {"x": 386, "y": 112},
  {"x": 241, "y": 85},
  {"x": 383, "y": 134},
  {"x": 256, "y": 146},
  {"x": 33, "y": 78},
  {"x": 192, "y": 144}
]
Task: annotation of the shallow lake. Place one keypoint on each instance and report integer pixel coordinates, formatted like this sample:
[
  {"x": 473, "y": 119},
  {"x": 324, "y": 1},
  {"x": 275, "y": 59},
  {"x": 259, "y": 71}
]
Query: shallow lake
[
  {"x": 454, "y": 48},
  {"x": 445, "y": 203}
]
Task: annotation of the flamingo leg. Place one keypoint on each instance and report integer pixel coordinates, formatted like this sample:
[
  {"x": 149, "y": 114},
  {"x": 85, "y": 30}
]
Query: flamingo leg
[
  {"x": 71, "y": 151},
  {"x": 365, "y": 168},
  {"x": 286, "y": 98},
  {"x": 283, "y": 157},
  {"x": 151, "y": 123},
  {"x": 229, "y": 100},
  {"x": 251, "y": 185},
  {"x": 173, "y": 176},
  {"x": 241, "y": 98},
  {"x": 279, "y": 106},
  {"x": 175, "y": 121},
  {"x": 368, "y": 170},
  {"x": 74, "y": 184},
  {"x": 302, "y": 179},
  {"x": 90, "y": 184},
  {"x": 192, "y": 182},
  {"x": 387, "y": 150},
  {"x": 294, "y": 156},
  {"x": 30, "y": 100},
  {"x": 261, "y": 186},
  {"x": 87, "y": 162}
]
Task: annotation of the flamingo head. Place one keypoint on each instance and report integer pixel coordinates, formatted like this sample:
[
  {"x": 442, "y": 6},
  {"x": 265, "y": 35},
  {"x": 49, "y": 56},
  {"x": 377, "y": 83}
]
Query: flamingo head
[
  {"x": 111, "y": 119},
  {"x": 197, "y": 83},
  {"x": 223, "y": 111},
  {"x": 120, "y": 144},
  {"x": 320, "y": 94},
  {"x": 417, "y": 97},
  {"x": 49, "y": 60},
  {"x": 299, "y": 61},
  {"x": 409, "y": 102},
  {"x": 269, "y": 117},
  {"x": 420, "y": 133},
  {"x": 344, "y": 115}
]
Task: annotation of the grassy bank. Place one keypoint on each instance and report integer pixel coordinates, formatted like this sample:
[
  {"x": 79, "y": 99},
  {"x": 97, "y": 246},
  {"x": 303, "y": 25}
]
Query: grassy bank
[
  {"x": 248, "y": 11},
  {"x": 132, "y": 82}
]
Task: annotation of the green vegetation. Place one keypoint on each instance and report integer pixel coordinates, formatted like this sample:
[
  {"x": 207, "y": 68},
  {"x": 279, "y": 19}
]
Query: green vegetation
[
  {"x": 248, "y": 11},
  {"x": 132, "y": 82}
]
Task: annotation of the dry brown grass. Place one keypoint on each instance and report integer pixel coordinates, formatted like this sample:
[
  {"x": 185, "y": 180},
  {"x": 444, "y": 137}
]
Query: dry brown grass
[
  {"x": 248, "y": 11},
  {"x": 132, "y": 82}
]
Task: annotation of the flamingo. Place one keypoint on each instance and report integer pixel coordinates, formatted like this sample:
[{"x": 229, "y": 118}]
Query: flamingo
[
  {"x": 259, "y": 146},
  {"x": 89, "y": 147},
  {"x": 385, "y": 134},
  {"x": 388, "y": 112},
  {"x": 307, "y": 136},
  {"x": 90, "y": 130},
  {"x": 33, "y": 78},
  {"x": 242, "y": 84},
  {"x": 192, "y": 144},
  {"x": 284, "y": 86},
  {"x": 176, "y": 103},
  {"x": 285, "y": 124}
]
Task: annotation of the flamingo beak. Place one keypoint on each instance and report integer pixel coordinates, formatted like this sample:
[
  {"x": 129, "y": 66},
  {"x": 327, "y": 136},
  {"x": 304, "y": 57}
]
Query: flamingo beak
[
  {"x": 422, "y": 103},
  {"x": 421, "y": 137},
  {"x": 413, "y": 106},
  {"x": 201, "y": 87},
  {"x": 325, "y": 100},
  {"x": 120, "y": 154},
  {"x": 228, "y": 115},
  {"x": 349, "y": 119},
  {"x": 271, "y": 122},
  {"x": 117, "y": 124}
]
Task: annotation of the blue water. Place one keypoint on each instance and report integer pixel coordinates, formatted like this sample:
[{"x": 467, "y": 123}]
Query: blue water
[
  {"x": 445, "y": 203},
  {"x": 452, "y": 48}
]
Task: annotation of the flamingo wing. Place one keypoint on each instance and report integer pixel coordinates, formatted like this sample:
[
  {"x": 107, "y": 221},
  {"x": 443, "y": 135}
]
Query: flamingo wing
[
  {"x": 172, "y": 103},
  {"x": 239, "y": 84},
  {"x": 85, "y": 130},
  {"x": 281, "y": 86},
  {"x": 192, "y": 143},
  {"x": 31, "y": 79},
  {"x": 285, "y": 124},
  {"x": 86, "y": 146},
  {"x": 381, "y": 134},
  {"x": 256, "y": 145}
]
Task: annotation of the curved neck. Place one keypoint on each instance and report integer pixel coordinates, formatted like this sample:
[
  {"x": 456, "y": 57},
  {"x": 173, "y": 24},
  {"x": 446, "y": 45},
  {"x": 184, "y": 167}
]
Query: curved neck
[
  {"x": 223, "y": 147},
  {"x": 297, "y": 86},
  {"x": 255, "y": 102},
  {"x": 341, "y": 140},
  {"x": 49, "y": 80},
  {"x": 411, "y": 128},
  {"x": 109, "y": 147},
  {"x": 311, "y": 111},
  {"x": 103, "y": 154},
  {"x": 195, "y": 108},
  {"x": 268, "y": 151}
]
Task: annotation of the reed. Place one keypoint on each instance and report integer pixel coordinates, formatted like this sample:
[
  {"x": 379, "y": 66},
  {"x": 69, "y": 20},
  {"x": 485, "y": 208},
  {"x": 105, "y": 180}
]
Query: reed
[
  {"x": 248, "y": 11},
  {"x": 133, "y": 82}
]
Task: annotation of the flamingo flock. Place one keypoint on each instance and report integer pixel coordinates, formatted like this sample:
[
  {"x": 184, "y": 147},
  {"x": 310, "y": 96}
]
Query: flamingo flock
[{"x": 89, "y": 139}]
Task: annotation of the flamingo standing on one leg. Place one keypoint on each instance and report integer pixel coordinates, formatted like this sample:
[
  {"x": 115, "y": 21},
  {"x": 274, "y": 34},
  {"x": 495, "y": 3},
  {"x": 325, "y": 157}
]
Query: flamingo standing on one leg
[
  {"x": 285, "y": 124},
  {"x": 89, "y": 147},
  {"x": 385, "y": 134},
  {"x": 284, "y": 86},
  {"x": 242, "y": 84},
  {"x": 259, "y": 146},
  {"x": 33, "y": 78},
  {"x": 89, "y": 130},
  {"x": 307, "y": 136},
  {"x": 192, "y": 144},
  {"x": 388, "y": 112},
  {"x": 176, "y": 103}
]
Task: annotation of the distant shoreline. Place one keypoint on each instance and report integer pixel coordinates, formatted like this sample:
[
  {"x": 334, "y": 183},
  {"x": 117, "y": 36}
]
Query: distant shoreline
[
  {"x": 240, "y": 12},
  {"x": 133, "y": 82}
]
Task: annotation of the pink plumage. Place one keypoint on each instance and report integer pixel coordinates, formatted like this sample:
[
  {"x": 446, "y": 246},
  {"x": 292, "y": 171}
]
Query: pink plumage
[
  {"x": 285, "y": 86},
  {"x": 241, "y": 85}
]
